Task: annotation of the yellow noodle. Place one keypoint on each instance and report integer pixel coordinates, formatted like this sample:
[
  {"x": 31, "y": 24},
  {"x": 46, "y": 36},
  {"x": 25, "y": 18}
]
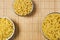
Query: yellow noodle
[
  {"x": 6, "y": 28},
  {"x": 23, "y": 7},
  {"x": 51, "y": 26}
]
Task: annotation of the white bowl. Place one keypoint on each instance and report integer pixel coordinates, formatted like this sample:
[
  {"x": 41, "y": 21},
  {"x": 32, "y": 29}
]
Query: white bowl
[
  {"x": 13, "y": 27},
  {"x": 24, "y": 15}
]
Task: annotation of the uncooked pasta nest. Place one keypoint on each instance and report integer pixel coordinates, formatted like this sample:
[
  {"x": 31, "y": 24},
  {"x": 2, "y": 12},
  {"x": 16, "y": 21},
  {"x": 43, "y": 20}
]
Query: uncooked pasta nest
[
  {"x": 23, "y": 7},
  {"x": 6, "y": 28},
  {"x": 51, "y": 26}
]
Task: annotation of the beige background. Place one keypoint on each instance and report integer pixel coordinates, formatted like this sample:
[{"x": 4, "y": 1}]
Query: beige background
[{"x": 29, "y": 28}]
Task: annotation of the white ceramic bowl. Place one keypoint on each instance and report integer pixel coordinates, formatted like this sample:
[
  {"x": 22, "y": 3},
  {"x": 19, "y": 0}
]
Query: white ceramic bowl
[
  {"x": 13, "y": 27},
  {"x": 21, "y": 15}
]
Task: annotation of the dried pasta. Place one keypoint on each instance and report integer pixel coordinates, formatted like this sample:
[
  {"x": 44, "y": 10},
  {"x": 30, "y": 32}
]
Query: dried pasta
[
  {"x": 0, "y": 35},
  {"x": 51, "y": 26},
  {"x": 6, "y": 28},
  {"x": 23, "y": 7}
]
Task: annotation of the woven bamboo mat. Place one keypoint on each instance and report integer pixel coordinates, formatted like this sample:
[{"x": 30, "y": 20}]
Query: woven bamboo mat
[{"x": 29, "y": 28}]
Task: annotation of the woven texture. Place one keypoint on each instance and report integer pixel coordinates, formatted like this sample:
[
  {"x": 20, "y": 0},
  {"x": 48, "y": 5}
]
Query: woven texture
[{"x": 29, "y": 28}]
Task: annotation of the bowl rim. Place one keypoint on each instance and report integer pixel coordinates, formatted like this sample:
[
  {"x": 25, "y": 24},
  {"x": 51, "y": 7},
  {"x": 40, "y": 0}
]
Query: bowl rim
[
  {"x": 43, "y": 22},
  {"x": 27, "y": 13},
  {"x": 12, "y": 25}
]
